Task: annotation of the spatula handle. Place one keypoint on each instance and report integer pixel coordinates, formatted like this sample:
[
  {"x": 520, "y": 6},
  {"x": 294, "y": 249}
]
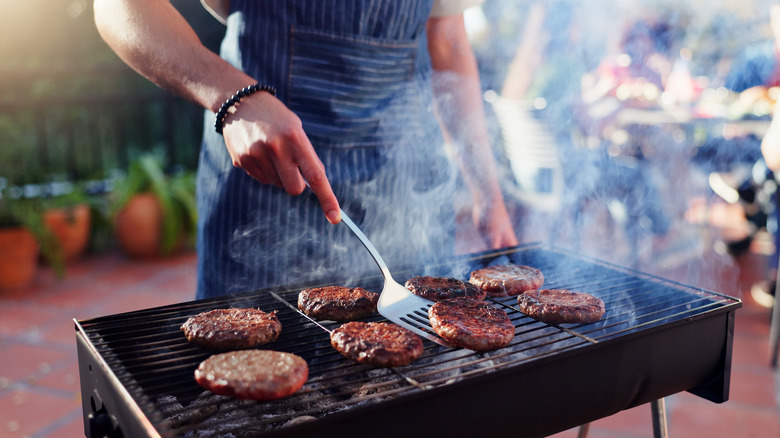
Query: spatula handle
[{"x": 367, "y": 243}]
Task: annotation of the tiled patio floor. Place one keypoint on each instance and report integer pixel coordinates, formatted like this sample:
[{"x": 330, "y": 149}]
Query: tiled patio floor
[
  {"x": 39, "y": 380},
  {"x": 39, "y": 384}
]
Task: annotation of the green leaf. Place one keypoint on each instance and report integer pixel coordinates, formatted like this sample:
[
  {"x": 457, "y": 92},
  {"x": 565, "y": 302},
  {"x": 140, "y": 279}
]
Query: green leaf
[
  {"x": 183, "y": 191},
  {"x": 171, "y": 226}
]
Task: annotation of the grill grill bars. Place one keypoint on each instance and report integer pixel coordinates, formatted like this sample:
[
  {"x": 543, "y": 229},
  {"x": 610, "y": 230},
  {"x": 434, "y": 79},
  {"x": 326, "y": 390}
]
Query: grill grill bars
[{"x": 154, "y": 363}]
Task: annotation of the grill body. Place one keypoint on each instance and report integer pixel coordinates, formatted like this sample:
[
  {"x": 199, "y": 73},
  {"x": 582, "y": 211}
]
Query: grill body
[{"x": 657, "y": 338}]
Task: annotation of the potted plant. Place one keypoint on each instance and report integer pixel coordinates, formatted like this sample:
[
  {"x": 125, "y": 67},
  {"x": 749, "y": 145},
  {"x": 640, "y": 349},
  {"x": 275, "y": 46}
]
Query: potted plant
[
  {"x": 70, "y": 216},
  {"x": 23, "y": 238},
  {"x": 154, "y": 213}
]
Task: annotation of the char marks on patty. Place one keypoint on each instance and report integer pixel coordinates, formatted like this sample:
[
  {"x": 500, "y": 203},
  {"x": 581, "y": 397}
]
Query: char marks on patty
[
  {"x": 557, "y": 306},
  {"x": 232, "y": 328},
  {"x": 507, "y": 280},
  {"x": 476, "y": 325},
  {"x": 376, "y": 343},
  {"x": 253, "y": 374},
  {"x": 441, "y": 288},
  {"x": 337, "y": 303}
]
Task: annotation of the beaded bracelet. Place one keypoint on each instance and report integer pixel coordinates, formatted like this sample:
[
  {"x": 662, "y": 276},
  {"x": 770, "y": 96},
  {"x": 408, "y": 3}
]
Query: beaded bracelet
[{"x": 246, "y": 91}]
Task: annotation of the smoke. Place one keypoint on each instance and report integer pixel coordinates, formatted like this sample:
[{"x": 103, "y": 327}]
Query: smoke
[
  {"x": 402, "y": 198},
  {"x": 584, "y": 163},
  {"x": 610, "y": 117}
]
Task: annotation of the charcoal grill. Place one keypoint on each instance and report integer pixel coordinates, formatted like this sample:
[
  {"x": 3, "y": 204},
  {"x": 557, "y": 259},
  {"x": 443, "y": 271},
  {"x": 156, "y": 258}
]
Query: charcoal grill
[{"x": 657, "y": 338}]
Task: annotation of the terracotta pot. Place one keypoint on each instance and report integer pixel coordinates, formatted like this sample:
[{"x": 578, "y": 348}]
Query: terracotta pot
[
  {"x": 139, "y": 226},
  {"x": 18, "y": 258},
  {"x": 71, "y": 226}
]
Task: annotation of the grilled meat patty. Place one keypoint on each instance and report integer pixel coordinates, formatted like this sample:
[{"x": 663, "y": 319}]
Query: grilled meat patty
[
  {"x": 556, "y": 306},
  {"x": 440, "y": 288},
  {"x": 232, "y": 328},
  {"x": 376, "y": 343},
  {"x": 337, "y": 303},
  {"x": 507, "y": 280},
  {"x": 253, "y": 374},
  {"x": 475, "y": 325}
]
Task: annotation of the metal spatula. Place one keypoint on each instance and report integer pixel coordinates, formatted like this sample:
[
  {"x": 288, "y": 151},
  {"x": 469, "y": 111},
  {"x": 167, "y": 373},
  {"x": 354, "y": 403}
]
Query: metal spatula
[{"x": 396, "y": 302}]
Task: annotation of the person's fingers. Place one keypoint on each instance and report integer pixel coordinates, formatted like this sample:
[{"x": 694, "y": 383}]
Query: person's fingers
[
  {"x": 313, "y": 172},
  {"x": 314, "y": 175},
  {"x": 269, "y": 170},
  {"x": 264, "y": 176},
  {"x": 321, "y": 187},
  {"x": 291, "y": 178},
  {"x": 504, "y": 239},
  {"x": 285, "y": 158}
]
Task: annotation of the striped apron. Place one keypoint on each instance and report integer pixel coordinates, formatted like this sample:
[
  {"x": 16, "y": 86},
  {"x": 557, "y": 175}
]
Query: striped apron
[{"x": 358, "y": 75}]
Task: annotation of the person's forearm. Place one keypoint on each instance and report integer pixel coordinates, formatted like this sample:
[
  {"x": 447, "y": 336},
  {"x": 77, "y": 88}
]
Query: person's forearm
[
  {"x": 459, "y": 97},
  {"x": 528, "y": 56},
  {"x": 262, "y": 136},
  {"x": 156, "y": 41}
]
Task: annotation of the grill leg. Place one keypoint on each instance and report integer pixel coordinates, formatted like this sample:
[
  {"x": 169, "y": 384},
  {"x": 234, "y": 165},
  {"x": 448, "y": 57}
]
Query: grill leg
[
  {"x": 774, "y": 330},
  {"x": 658, "y": 408},
  {"x": 583, "y": 433}
]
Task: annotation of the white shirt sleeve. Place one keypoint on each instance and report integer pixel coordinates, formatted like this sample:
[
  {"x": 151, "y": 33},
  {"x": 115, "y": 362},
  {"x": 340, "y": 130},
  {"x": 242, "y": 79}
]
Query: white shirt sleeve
[{"x": 442, "y": 8}]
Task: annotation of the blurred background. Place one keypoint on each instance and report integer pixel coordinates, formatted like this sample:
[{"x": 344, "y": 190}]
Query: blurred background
[
  {"x": 81, "y": 134},
  {"x": 632, "y": 130},
  {"x": 71, "y": 110},
  {"x": 625, "y": 129}
]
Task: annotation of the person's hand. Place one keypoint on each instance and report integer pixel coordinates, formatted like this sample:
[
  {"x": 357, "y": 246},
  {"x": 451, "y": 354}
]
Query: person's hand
[
  {"x": 266, "y": 140},
  {"x": 494, "y": 224}
]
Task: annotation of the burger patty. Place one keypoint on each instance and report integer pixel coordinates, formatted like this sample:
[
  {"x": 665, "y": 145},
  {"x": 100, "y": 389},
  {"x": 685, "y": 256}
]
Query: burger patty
[
  {"x": 507, "y": 280},
  {"x": 232, "y": 328},
  {"x": 440, "y": 288},
  {"x": 253, "y": 374},
  {"x": 376, "y": 343},
  {"x": 337, "y": 303},
  {"x": 475, "y": 325},
  {"x": 556, "y": 306}
]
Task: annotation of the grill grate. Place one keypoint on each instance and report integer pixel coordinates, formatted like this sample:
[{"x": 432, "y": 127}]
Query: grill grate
[{"x": 154, "y": 363}]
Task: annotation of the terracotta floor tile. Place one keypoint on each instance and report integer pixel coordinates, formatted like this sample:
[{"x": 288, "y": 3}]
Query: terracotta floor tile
[
  {"x": 124, "y": 276},
  {"x": 23, "y": 320},
  {"x": 69, "y": 426},
  {"x": 64, "y": 379},
  {"x": 75, "y": 296},
  {"x": 60, "y": 331},
  {"x": 144, "y": 300},
  {"x": 749, "y": 386},
  {"x": 23, "y": 362},
  {"x": 729, "y": 420},
  {"x": 750, "y": 351},
  {"x": 24, "y": 412},
  {"x": 183, "y": 283},
  {"x": 634, "y": 422},
  {"x": 752, "y": 321},
  {"x": 92, "y": 263}
]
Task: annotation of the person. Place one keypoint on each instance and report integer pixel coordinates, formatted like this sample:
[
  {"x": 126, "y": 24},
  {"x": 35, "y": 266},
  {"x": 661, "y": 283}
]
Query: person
[
  {"x": 637, "y": 74},
  {"x": 631, "y": 77},
  {"x": 540, "y": 91},
  {"x": 754, "y": 72},
  {"x": 366, "y": 92}
]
